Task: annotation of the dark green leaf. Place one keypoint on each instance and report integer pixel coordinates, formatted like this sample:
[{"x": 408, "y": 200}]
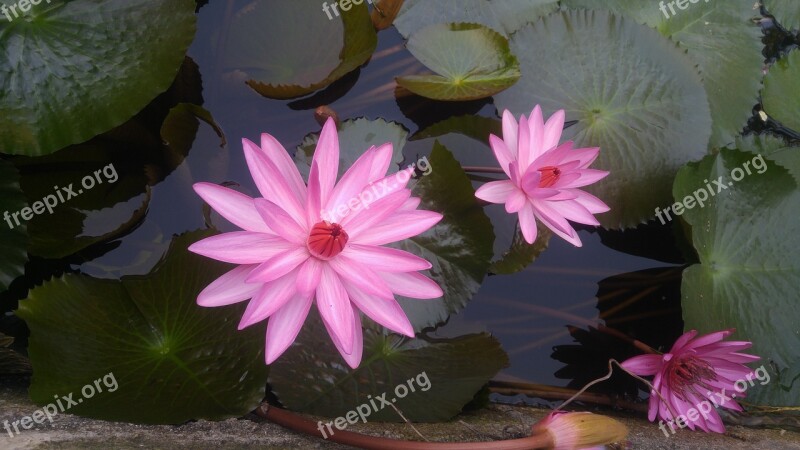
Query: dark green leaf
[
  {"x": 13, "y": 235},
  {"x": 72, "y": 70},
  {"x": 781, "y": 86},
  {"x": 173, "y": 360}
]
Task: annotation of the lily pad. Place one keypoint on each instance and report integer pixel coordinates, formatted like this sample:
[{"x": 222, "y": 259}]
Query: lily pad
[
  {"x": 13, "y": 236},
  {"x": 445, "y": 375},
  {"x": 172, "y": 360},
  {"x": 747, "y": 237},
  {"x": 785, "y": 12},
  {"x": 505, "y": 16},
  {"x": 469, "y": 62},
  {"x": 642, "y": 103},
  {"x": 71, "y": 70},
  {"x": 721, "y": 38},
  {"x": 776, "y": 148},
  {"x": 289, "y": 49},
  {"x": 459, "y": 247},
  {"x": 781, "y": 85},
  {"x": 521, "y": 254}
]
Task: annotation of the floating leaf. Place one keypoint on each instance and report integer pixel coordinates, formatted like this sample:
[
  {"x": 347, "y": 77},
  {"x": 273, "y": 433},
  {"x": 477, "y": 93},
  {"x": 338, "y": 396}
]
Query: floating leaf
[
  {"x": 505, "y": 16},
  {"x": 173, "y": 361},
  {"x": 459, "y": 247},
  {"x": 781, "y": 86},
  {"x": 642, "y": 103},
  {"x": 721, "y": 38},
  {"x": 785, "y": 12},
  {"x": 13, "y": 236},
  {"x": 289, "y": 49},
  {"x": 470, "y": 61},
  {"x": 71, "y": 70},
  {"x": 521, "y": 254},
  {"x": 311, "y": 378},
  {"x": 776, "y": 148},
  {"x": 746, "y": 237}
]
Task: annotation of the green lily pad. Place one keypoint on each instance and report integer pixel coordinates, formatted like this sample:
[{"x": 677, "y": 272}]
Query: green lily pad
[
  {"x": 721, "y": 38},
  {"x": 785, "y": 12},
  {"x": 469, "y": 62},
  {"x": 445, "y": 375},
  {"x": 642, "y": 103},
  {"x": 289, "y": 49},
  {"x": 781, "y": 86},
  {"x": 124, "y": 164},
  {"x": 72, "y": 70},
  {"x": 172, "y": 360},
  {"x": 776, "y": 148},
  {"x": 13, "y": 237},
  {"x": 747, "y": 237},
  {"x": 505, "y": 16},
  {"x": 459, "y": 247},
  {"x": 356, "y": 136}
]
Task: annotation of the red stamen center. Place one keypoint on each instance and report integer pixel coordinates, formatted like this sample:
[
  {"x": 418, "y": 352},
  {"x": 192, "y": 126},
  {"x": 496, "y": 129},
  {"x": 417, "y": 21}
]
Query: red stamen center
[
  {"x": 326, "y": 240},
  {"x": 550, "y": 175},
  {"x": 690, "y": 374}
]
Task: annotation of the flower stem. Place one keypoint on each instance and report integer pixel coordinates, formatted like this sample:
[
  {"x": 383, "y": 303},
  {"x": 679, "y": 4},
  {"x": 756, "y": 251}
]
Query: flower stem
[
  {"x": 300, "y": 424},
  {"x": 482, "y": 169}
]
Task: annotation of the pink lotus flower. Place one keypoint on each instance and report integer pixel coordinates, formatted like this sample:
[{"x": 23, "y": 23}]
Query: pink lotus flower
[
  {"x": 544, "y": 176},
  {"x": 320, "y": 242},
  {"x": 698, "y": 370}
]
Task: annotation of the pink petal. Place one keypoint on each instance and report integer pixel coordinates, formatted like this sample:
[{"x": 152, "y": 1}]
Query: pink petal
[
  {"x": 308, "y": 276},
  {"x": 271, "y": 182},
  {"x": 236, "y": 207},
  {"x": 375, "y": 213},
  {"x": 412, "y": 284},
  {"x": 381, "y": 162},
  {"x": 283, "y": 224},
  {"x": 592, "y": 204},
  {"x": 241, "y": 247},
  {"x": 285, "y": 325},
  {"x": 402, "y": 225},
  {"x": 335, "y": 309},
  {"x": 269, "y": 299},
  {"x": 644, "y": 365},
  {"x": 516, "y": 200},
  {"x": 283, "y": 161},
  {"x": 352, "y": 183},
  {"x": 552, "y": 130},
  {"x": 324, "y": 168},
  {"x": 360, "y": 276},
  {"x": 353, "y": 357},
  {"x": 536, "y": 125},
  {"x": 527, "y": 223},
  {"x": 681, "y": 341},
  {"x": 557, "y": 156},
  {"x": 385, "y": 259},
  {"x": 586, "y": 177},
  {"x": 510, "y": 133},
  {"x": 574, "y": 211},
  {"x": 279, "y": 265},
  {"x": 385, "y": 311},
  {"x": 708, "y": 339},
  {"x": 553, "y": 220},
  {"x": 229, "y": 288},
  {"x": 530, "y": 181},
  {"x": 501, "y": 152},
  {"x": 411, "y": 204},
  {"x": 496, "y": 191},
  {"x": 523, "y": 146},
  {"x": 585, "y": 156}
]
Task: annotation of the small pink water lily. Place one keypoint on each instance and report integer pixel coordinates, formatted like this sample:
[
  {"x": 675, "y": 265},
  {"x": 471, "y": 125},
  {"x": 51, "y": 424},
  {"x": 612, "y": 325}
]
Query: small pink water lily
[
  {"x": 544, "y": 176},
  {"x": 300, "y": 244},
  {"x": 696, "y": 370}
]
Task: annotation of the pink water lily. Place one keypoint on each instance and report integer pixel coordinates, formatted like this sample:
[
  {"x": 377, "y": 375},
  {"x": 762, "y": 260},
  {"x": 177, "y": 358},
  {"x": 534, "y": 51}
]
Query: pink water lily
[
  {"x": 318, "y": 243},
  {"x": 544, "y": 176},
  {"x": 696, "y": 370}
]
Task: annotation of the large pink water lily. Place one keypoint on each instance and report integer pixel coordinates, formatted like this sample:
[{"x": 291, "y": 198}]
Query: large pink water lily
[
  {"x": 697, "y": 370},
  {"x": 318, "y": 244},
  {"x": 544, "y": 176}
]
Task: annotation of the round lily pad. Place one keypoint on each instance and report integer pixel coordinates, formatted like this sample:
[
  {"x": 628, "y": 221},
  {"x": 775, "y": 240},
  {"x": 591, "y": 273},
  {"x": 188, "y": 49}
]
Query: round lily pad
[
  {"x": 70, "y": 70},
  {"x": 640, "y": 100},
  {"x": 786, "y": 12},
  {"x": 469, "y": 62}
]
